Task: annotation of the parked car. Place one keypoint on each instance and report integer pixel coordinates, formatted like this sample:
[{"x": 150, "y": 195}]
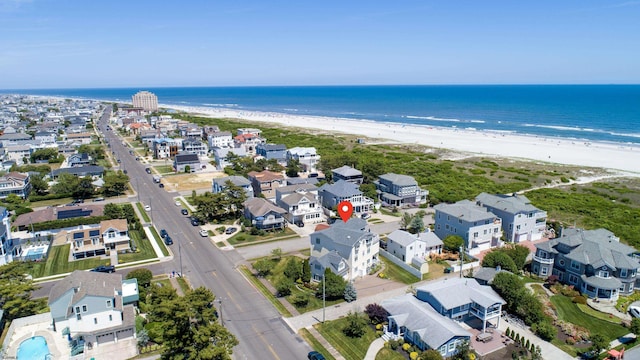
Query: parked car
[
  {"x": 178, "y": 203},
  {"x": 300, "y": 224},
  {"x": 230, "y": 230},
  {"x": 184, "y": 211},
  {"x": 148, "y": 170},
  {"x": 195, "y": 221},
  {"x": 365, "y": 216},
  {"x": 98, "y": 199},
  {"x": 163, "y": 233},
  {"x": 161, "y": 185},
  {"x": 147, "y": 208},
  {"x": 168, "y": 240},
  {"x": 634, "y": 309},
  {"x": 314, "y": 355},
  {"x": 204, "y": 233},
  {"x": 104, "y": 269}
]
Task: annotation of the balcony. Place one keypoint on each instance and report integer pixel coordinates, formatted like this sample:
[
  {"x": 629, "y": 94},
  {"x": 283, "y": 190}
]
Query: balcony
[{"x": 542, "y": 260}]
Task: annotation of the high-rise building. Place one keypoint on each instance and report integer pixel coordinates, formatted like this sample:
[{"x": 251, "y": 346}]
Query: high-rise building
[{"x": 145, "y": 100}]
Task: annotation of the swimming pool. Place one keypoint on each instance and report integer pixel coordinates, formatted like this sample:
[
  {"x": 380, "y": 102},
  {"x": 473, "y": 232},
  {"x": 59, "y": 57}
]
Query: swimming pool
[
  {"x": 35, "y": 348},
  {"x": 35, "y": 253}
]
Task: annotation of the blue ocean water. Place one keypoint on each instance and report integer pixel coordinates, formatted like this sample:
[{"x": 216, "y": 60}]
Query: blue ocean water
[{"x": 586, "y": 112}]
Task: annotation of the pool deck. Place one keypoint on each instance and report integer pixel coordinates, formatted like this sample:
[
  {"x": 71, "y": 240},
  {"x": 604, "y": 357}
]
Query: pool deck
[{"x": 37, "y": 325}]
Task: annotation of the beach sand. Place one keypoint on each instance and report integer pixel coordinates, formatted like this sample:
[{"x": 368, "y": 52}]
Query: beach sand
[{"x": 614, "y": 156}]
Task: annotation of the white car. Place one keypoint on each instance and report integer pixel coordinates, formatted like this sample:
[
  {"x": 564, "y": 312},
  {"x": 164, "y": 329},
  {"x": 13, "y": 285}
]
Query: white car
[
  {"x": 147, "y": 208},
  {"x": 634, "y": 309},
  {"x": 178, "y": 203},
  {"x": 204, "y": 233}
]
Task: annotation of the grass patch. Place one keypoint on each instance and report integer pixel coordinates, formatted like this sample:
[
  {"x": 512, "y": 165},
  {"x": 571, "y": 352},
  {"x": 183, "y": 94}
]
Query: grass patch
[
  {"x": 389, "y": 212},
  {"x": 220, "y": 244},
  {"x": 350, "y": 348},
  {"x": 315, "y": 344},
  {"x": 51, "y": 202},
  {"x": 396, "y": 273},
  {"x": 58, "y": 263},
  {"x": 144, "y": 214},
  {"x": 388, "y": 354},
  {"x": 600, "y": 315},
  {"x": 184, "y": 286},
  {"x": 144, "y": 250},
  {"x": 164, "y": 169},
  {"x": 569, "y": 311},
  {"x": 243, "y": 237},
  {"x": 265, "y": 292},
  {"x": 436, "y": 270},
  {"x": 156, "y": 238}
]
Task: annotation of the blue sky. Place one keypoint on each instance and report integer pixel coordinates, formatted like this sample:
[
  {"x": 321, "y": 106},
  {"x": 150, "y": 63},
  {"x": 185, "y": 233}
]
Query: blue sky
[{"x": 69, "y": 43}]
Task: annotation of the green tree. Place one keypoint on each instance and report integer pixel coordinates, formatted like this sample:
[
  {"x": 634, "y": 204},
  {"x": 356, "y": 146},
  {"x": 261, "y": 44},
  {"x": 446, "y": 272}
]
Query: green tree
[
  {"x": 405, "y": 220},
  {"x": 635, "y": 326},
  {"x": 356, "y": 324},
  {"x": 85, "y": 188},
  {"x": 598, "y": 343},
  {"x": 143, "y": 276},
  {"x": 263, "y": 267},
  {"x": 38, "y": 185},
  {"x": 283, "y": 286},
  {"x": 369, "y": 190},
  {"x": 496, "y": 258},
  {"x": 350, "y": 293},
  {"x": 517, "y": 253},
  {"x": 16, "y": 290},
  {"x": 46, "y": 154},
  {"x": 463, "y": 349},
  {"x": 115, "y": 183},
  {"x": 187, "y": 169},
  {"x": 293, "y": 168},
  {"x": 416, "y": 225},
  {"x": 453, "y": 243},
  {"x": 66, "y": 184},
  {"x": 334, "y": 285},
  {"x": 431, "y": 354},
  {"x": 293, "y": 269},
  {"x": 306, "y": 271},
  {"x": 545, "y": 329}
]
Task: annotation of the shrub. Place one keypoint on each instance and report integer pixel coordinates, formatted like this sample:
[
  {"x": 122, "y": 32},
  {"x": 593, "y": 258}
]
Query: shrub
[
  {"x": 413, "y": 355},
  {"x": 379, "y": 327},
  {"x": 394, "y": 344},
  {"x": 545, "y": 330},
  {"x": 570, "y": 341},
  {"x": 581, "y": 299},
  {"x": 283, "y": 287},
  {"x": 406, "y": 346},
  {"x": 300, "y": 300},
  {"x": 376, "y": 313}
]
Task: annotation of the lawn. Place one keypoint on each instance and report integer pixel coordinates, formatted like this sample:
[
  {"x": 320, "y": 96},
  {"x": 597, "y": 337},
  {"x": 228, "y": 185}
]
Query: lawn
[
  {"x": 396, "y": 273},
  {"x": 145, "y": 216},
  {"x": 569, "y": 311},
  {"x": 388, "y": 354},
  {"x": 184, "y": 286},
  {"x": 164, "y": 169},
  {"x": 160, "y": 243},
  {"x": 144, "y": 250},
  {"x": 600, "y": 315},
  {"x": 265, "y": 292},
  {"x": 315, "y": 344},
  {"x": 242, "y": 237},
  {"x": 350, "y": 348},
  {"x": 58, "y": 263}
]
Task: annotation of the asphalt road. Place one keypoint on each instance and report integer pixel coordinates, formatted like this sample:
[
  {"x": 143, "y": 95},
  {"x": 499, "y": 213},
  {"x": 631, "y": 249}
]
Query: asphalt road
[{"x": 261, "y": 332}]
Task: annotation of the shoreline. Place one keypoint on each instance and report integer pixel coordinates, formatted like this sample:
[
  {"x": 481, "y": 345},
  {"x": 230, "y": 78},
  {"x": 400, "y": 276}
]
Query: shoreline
[{"x": 608, "y": 155}]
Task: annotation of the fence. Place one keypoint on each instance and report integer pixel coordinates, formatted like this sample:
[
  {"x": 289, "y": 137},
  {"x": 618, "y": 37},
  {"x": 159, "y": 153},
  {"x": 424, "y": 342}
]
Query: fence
[
  {"x": 410, "y": 269},
  {"x": 24, "y": 321}
]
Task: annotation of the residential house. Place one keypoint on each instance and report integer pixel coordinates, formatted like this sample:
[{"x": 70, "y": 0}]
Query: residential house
[
  {"x": 14, "y": 139},
  {"x": 248, "y": 142},
  {"x": 263, "y": 214},
  {"x": 79, "y": 171},
  {"x": 352, "y": 241},
  {"x": 399, "y": 190},
  {"x": 266, "y": 182},
  {"x": 463, "y": 298},
  {"x": 164, "y": 148},
  {"x": 419, "y": 324},
  {"x": 9, "y": 249},
  {"x": 273, "y": 151},
  {"x": 23, "y": 222},
  {"x": 347, "y": 173},
  {"x": 46, "y": 137},
  {"x": 195, "y": 146},
  {"x": 301, "y": 202},
  {"x": 80, "y": 159},
  {"x": 485, "y": 275},
  {"x": 209, "y": 129},
  {"x": 190, "y": 131},
  {"x": 94, "y": 309},
  {"x": 221, "y": 155},
  {"x": 220, "y": 139},
  {"x": 21, "y": 154},
  {"x": 220, "y": 184},
  {"x": 247, "y": 131},
  {"x": 594, "y": 261},
  {"x": 480, "y": 228},
  {"x": 521, "y": 221},
  {"x": 307, "y": 157},
  {"x": 15, "y": 183},
  {"x": 407, "y": 246},
  {"x": 332, "y": 194},
  {"x": 94, "y": 240},
  {"x": 83, "y": 138},
  {"x": 181, "y": 161}
]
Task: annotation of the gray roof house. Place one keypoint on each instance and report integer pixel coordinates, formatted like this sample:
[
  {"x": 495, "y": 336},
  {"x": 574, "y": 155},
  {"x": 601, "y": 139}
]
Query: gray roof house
[
  {"x": 79, "y": 171},
  {"x": 301, "y": 202},
  {"x": 332, "y": 194},
  {"x": 521, "y": 221},
  {"x": 91, "y": 306},
  {"x": 419, "y": 324},
  {"x": 273, "y": 151},
  {"x": 181, "y": 161},
  {"x": 407, "y": 246},
  {"x": 263, "y": 214},
  {"x": 347, "y": 173},
  {"x": 352, "y": 240},
  {"x": 218, "y": 185},
  {"x": 398, "y": 190},
  {"x": 480, "y": 228},
  {"x": 594, "y": 261},
  {"x": 462, "y": 298}
]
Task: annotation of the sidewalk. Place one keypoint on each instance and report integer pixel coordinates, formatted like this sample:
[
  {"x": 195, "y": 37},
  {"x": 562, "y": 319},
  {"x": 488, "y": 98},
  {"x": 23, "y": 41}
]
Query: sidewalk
[{"x": 154, "y": 242}]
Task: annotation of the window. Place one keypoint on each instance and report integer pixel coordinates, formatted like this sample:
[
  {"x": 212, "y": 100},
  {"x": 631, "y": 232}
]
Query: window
[
  {"x": 459, "y": 221},
  {"x": 317, "y": 240},
  {"x": 575, "y": 265},
  {"x": 475, "y": 234},
  {"x": 603, "y": 274},
  {"x": 562, "y": 262},
  {"x": 443, "y": 349},
  {"x": 78, "y": 317},
  {"x": 573, "y": 279},
  {"x": 95, "y": 320},
  {"x": 485, "y": 231},
  {"x": 108, "y": 303},
  {"x": 77, "y": 309},
  {"x": 544, "y": 271},
  {"x": 84, "y": 308},
  {"x": 631, "y": 286},
  {"x": 452, "y": 346},
  {"x": 110, "y": 317},
  {"x": 623, "y": 272}
]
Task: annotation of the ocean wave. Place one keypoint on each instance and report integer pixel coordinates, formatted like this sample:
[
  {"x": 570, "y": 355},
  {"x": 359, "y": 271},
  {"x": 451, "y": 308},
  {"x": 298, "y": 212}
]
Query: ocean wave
[
  {"x": 432, "y": 118},
  {"x": 625, "y": 134},
  {"x": 294, "y": 110},
  {"x": 221, "y": 105}
]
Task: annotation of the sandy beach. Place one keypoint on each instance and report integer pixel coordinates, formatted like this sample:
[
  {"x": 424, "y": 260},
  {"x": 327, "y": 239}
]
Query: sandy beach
[{"x": 614, "y": 156}]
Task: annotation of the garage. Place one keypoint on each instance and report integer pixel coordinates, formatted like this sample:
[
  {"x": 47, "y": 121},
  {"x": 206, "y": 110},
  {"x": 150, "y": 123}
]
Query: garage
[
  {"x": 123, "y": 334},
  {"x": 105, "y": 338}
]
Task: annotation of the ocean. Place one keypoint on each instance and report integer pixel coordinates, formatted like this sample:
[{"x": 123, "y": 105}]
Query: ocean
[{"x": 609, "y": 113}]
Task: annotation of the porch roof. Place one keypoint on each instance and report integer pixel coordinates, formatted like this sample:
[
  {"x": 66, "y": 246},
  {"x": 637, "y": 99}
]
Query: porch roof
[{"x": 602, "y": 283}]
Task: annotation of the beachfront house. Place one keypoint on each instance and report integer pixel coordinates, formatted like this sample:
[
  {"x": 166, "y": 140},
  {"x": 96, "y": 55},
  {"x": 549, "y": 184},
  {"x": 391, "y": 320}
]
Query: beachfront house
[
  {"x": 219, "y": 185},
  {"x": 347, "y": 173},
  {"x": 332, "y": 194},
  {"x": 352, "y": 241},
  {"x": 521, "y": 221},
  {"x": 266, "y": 182},
  {"x": 301, "y": 202},
  {"x": 398, "y": 190},
  {"x": 94, "y": 240},
  {"x": 480, "y": 228},
  {"x": 407, "y": 246},
  {"x": 419, "y": 324},
  {"x": 273, "y": 151},
  {"x": 263, "y": 214},
  {"x": 92, "y": 309},
  {"x": 220, "y": 139},
  {"x": 15, "y": 183},
  {"x": 594, "y": 261},
  {"x": 306, "y": 156},
  {"x": 248, "y": 141}
]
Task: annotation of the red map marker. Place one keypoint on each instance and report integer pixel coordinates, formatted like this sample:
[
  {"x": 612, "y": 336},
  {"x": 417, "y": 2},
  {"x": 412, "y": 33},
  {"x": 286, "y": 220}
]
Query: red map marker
[{"x": 345, "y": 209}]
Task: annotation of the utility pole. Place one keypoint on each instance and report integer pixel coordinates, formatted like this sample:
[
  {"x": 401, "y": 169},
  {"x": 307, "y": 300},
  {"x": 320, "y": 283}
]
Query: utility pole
[
  {"x": 461, "y": 258},
  {"x": 180, "y": 255},
  {"x": 324, "y": 297}
]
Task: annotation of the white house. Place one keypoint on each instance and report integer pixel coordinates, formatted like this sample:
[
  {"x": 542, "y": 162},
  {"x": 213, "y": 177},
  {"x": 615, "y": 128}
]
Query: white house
[
  {"x": 307, "y": 157},
  {"x": 406, "y": 246},
  {"x": 301, "y": 202}
]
